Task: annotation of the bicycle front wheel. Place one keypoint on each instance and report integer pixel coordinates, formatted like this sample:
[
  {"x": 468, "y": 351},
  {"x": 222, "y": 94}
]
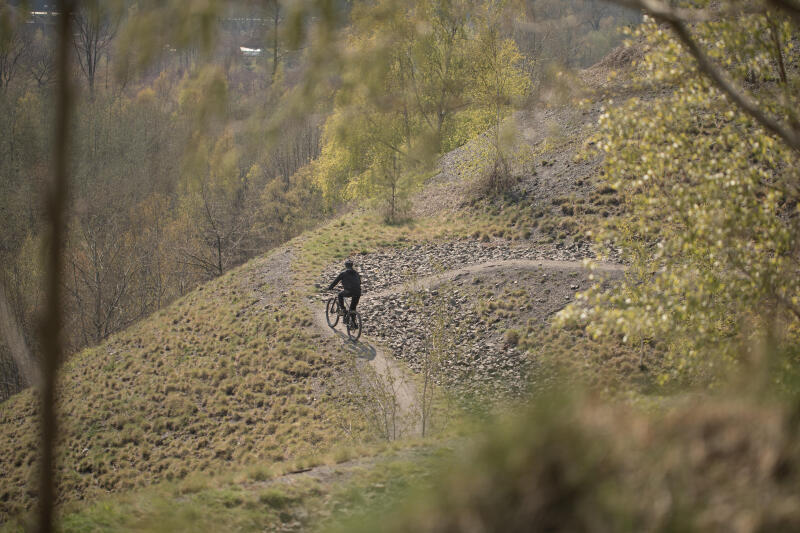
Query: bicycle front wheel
[
  {"x": 331, "y": 314},
  {"x": 354, "y": 327}
]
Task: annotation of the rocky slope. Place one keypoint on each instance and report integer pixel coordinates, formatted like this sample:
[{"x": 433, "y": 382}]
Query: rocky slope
[{"x": 476, "y": 293}]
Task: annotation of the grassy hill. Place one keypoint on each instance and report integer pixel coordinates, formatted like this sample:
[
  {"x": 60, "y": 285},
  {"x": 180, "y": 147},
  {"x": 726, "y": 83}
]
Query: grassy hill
[
  {"x": 232, "y": 374},
  {"x": 229, "y": 410},
  {"x": 225, "y": 375}
]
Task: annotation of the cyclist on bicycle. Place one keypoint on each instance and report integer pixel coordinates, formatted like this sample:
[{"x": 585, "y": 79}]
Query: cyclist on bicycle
[{"x": 351, "y": 283}]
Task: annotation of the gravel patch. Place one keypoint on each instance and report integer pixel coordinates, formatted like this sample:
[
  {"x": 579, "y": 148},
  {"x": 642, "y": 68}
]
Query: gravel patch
[{"x": 479, "y": 362}]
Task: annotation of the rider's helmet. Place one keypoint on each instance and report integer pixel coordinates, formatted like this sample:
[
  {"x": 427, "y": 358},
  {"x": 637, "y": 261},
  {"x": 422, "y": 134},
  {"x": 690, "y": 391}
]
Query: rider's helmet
[{"x": 348, "y": 263}]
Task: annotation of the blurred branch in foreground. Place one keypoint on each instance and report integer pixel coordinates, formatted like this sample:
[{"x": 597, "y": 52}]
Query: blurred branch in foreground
[
  {"x": 57, "y": 198},
  {"x": 790, "y": 7}
]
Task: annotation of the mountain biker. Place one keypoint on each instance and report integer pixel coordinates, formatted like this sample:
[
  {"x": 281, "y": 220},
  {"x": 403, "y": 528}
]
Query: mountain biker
[{"x": 351, "y": 283}]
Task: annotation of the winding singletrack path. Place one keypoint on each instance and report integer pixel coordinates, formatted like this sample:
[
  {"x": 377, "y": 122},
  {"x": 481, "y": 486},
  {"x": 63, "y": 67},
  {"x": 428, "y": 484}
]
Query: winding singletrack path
[
  {"x": 381, "y": 359},
  {"x": 385, "y": 365},
  {"x": 435, "y": 280}
]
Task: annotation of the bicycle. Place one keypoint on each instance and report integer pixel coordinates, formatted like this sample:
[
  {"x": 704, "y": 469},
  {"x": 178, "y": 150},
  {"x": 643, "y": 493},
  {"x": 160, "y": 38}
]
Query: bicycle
[{"x": 352, "y": 321}]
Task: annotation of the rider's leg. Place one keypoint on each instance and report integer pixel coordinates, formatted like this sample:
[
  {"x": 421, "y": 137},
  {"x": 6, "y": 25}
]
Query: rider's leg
[
  {"x": 354, "y": 302},
  {"x": 341, "y": 299}
]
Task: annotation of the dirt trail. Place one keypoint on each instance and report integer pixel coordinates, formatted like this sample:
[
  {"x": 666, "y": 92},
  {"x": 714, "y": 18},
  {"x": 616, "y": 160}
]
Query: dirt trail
[
  {"x": 387, "y": 366},
  {"x": 384, "y": 365},
  {"x": 494, "y": 266}
]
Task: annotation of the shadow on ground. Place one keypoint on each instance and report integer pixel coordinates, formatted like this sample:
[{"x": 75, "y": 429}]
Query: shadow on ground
[{"x": 360, "y": 349}]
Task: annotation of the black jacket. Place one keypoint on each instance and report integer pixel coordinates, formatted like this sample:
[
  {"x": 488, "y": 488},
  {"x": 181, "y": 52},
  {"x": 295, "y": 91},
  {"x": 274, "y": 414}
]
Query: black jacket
[{"x": 351, "y": 281}]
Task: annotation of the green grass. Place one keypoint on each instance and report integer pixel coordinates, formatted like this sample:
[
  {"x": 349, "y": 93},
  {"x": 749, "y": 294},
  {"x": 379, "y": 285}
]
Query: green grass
[
  {"x": 363, "y": 233},
  {"x": 217, "y": 507},
  {"x": 261, "y": 497}
]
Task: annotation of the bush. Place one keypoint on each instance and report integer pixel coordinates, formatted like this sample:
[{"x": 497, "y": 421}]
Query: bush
[
  {"x": 512, "y": 337},
  {"x": 494, "y": 180}
]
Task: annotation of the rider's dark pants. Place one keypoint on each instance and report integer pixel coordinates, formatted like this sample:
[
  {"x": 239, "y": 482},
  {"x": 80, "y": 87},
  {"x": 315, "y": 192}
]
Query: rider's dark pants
[{"x": 347, "y": 294}]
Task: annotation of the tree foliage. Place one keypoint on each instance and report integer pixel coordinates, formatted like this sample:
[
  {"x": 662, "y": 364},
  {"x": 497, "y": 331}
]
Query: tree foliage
[
  {"x": 171, "y": 156},
  {"x": 422, "y": 78},
  {"x": 569, "y": 33},
  {"x": 712, "y": 222}
]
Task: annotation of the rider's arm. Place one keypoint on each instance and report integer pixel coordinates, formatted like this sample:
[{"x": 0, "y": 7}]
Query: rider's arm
[{"x": 337, "y": 280}]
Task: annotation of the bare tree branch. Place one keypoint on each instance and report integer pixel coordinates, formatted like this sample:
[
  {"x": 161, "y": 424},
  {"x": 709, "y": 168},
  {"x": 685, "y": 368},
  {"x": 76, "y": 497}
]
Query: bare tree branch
[
  {"x": 40, "y": 59},
  {"x": 95, "y": 30},
  {"x": 13, "y": 45}
]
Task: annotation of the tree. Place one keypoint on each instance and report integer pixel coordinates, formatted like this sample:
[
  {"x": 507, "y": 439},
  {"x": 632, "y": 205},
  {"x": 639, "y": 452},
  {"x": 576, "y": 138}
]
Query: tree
[
  {"x": 498, "y": 81},
  {"x": 679, "y": 19},
  {"x": 711, "y": 186},
  {"x": 95, "y": 28},
  {"x": 13, "y": 43},
  {"x": 39, "y": 59},
  {"x": 569, "y": 32},
  {"x": 274, "y": 7},
  {"x": 218, "y": 209},
  {"x": 366, "y": 155},
  {"x": 285, "y": 210},
  {"x": 437, "y": 63},
  {"x": 371, "y": 136},
  {"x": 595, "y": 11},
  {"x": 101, "y": 270},
  {"x": 408, "y": 92}
]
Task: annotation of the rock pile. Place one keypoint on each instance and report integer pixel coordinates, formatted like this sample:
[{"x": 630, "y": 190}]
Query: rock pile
[{"x": 474, "y": 358}]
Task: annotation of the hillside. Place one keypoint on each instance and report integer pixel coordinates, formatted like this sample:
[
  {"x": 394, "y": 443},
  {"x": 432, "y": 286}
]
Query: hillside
[
  {"x": 223, "y": 375},
  {"x": 237, "y": 408},
  {"x": 581, "y": 305},
  {"x": 239, "y": 372}
]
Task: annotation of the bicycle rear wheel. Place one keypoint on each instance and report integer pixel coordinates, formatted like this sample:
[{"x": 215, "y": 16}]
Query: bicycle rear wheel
[
  {"x": 331, "y": 314},
  {"x": 354, "y": 326}
]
